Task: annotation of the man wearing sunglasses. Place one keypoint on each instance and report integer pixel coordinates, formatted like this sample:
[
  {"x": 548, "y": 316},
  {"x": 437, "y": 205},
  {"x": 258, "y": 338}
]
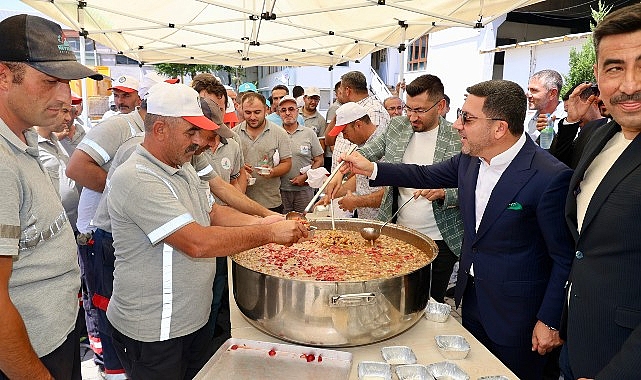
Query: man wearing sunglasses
[{"x": 517, "y": 249}]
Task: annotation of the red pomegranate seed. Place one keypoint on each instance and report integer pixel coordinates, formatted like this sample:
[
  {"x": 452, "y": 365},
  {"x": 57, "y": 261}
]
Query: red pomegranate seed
[
  {"x": 320, "y": 358},
  {"x": 234, "y": 347},
  {"x": 272, "y": 352},
  {"x": 310, "y": 358}
]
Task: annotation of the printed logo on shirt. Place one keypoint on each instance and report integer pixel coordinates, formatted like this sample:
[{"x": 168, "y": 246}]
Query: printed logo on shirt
[
  {"x": 225, "y": 163},
  {"x": 304, "y": 149}
]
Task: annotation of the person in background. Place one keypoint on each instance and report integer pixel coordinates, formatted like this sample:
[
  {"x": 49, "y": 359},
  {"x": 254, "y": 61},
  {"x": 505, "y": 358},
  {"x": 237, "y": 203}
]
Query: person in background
[
  {"x": 306, "y": 152},
  {"x": 298, "y": 92},
  {"x": 446, "y": 109},
  {"x": 125, "y": 92},
  {"x": 394, "y": 106},
  {"x": 278, "y": 92},
  {"x": 265, "y": 145},
  {"x": 329, "y": 116},
  {"x": 38, "y": 262},
  {"x": 313, "y": 118},
  {"x": 602, "y": 210},
  {"x": 583, "y": 118},
  {"x": 517, "y": 249},
  {"x": 543, "y": 92}
]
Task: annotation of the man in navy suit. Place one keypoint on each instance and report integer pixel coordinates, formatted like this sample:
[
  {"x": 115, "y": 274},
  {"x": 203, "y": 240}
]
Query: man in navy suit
[
  {"x": 517, "y": 249},
  {"x": 604, "y": 211}
]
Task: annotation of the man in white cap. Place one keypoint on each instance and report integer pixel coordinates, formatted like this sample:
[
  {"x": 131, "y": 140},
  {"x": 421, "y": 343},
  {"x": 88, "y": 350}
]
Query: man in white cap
[
  {"x": 354, "y": 122},
  {"x": 38, "y": 264},
  {"x": 306, "y": 150},
  {"x": 166, "y": 225},
  {"x": 313, "y": 119},
  {"x": 125, "y": 91}
]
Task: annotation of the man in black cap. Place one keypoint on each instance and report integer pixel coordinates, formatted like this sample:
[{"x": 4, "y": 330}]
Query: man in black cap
[{"x": 39, "y": 275}]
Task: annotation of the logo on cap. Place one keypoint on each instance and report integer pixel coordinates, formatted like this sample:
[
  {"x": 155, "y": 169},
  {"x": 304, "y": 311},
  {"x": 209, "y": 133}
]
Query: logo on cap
[{"x": 63, "y": 45}]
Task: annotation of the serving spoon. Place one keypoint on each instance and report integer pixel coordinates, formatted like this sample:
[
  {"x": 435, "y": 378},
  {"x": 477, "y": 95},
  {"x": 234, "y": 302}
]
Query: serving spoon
[{"x": 371, "y": 233}]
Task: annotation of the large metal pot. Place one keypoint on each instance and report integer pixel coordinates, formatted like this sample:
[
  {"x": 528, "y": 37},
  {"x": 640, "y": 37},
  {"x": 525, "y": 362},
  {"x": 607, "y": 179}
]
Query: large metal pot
[{"x": 336, "y": 314}]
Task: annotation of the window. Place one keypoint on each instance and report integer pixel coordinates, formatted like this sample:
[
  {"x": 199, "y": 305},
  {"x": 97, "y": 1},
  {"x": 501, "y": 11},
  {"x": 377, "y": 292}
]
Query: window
[
  {"x": 417, "y": 54},
  {"x": 124, "y": 60}
]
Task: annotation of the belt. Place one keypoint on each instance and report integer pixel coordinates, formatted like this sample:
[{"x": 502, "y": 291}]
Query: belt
[{"x": 37, "y": 237}]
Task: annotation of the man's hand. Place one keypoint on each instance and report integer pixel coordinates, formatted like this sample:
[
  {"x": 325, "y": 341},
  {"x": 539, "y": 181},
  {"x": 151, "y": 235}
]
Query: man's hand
[
  {"x": 349, "y": 202},
  {"x": 542, "y": 121},
  {"x": 577, "y": 107},
  {"x": 272, "y": 219},
  {"x": 356, "y": 164},
  {"x": 430, "y": 194},
  {"x": 544, "y": 339},
  {"x": 288, "y": 232},
  {"x": 299, "y": 180}
]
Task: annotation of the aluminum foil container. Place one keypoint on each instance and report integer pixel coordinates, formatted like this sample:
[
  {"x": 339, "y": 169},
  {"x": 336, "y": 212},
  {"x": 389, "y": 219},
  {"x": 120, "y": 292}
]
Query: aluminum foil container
[
  {"x": 447, "y": 371},
  {"x": 437, "y": 312},
  {"x": 497, "y": 377},
  {"x": 413, "y": 372},
  {"x": 374, "y": 371},
  {"x": 396, "y": 355},
  {"x": 452, "y": 347}
]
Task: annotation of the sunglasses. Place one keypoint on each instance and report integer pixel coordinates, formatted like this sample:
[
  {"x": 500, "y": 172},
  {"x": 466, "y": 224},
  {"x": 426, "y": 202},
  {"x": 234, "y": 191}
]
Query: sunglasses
[
  {"x": 288, "y": 109},
  {"x": 420, "y": 111},
  {"x": 465, "y": 117}
]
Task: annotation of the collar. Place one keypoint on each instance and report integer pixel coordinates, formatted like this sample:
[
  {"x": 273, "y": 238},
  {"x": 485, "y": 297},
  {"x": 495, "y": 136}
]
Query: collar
[{"x": 506, "y": 157}]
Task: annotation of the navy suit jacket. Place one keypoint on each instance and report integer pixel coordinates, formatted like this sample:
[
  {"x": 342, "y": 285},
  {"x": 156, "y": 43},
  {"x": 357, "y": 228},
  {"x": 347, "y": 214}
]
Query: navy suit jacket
[
  {"x": 604, "y": 313},
  {"x": 522, "y": 250}
]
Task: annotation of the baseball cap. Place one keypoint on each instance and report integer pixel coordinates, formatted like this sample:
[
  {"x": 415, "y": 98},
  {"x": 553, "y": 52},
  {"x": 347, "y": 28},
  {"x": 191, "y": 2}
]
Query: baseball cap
[
  {"x": 125, "y": 83},
  {"x": 178, "y": 100},
  {"x": 287, "y": 98},
  {"x": 346, "y": 114},
  {"x": 41, "y": 44},
  {"x": 172, "y": 80},
  {"x": 247, "y": 87},
  {"x": 312, "y": 91},
  {"x": 212, "y": 111}
]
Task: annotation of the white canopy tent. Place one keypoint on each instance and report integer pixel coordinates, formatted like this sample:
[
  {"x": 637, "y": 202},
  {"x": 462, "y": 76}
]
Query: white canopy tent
[{"x": 265, "y": 32}]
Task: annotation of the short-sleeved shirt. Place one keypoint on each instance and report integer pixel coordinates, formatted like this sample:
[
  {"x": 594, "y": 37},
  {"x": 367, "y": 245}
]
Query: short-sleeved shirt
[
  {"x": 363, "y": 188},
  {"x": 305, "y": 146},
  {"x": 317, "y": 123},
  {"x": 101, "y": 144},
  {"x": 101, "y": 219},
  {"x": 259, "y": 152},
  {"x": 159, "y": 292},
  {"x": 54, "y": 158},
  {"x": 34, "y": 230}
]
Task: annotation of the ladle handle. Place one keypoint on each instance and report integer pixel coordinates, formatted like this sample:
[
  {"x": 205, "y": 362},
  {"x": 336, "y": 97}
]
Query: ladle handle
[
  {"x": 327, "y": 180},
  {"x": 399, "y": 209}
]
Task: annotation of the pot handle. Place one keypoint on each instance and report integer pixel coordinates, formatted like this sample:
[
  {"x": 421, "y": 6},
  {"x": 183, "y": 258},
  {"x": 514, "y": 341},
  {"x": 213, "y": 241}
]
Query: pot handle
[{"x": 356, "y": 299}]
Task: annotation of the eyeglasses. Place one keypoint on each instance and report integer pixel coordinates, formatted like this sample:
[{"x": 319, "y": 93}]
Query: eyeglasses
[
  {"x": 465, "y": 117},
  {"x": 288, "y": 109},
  {"x": 397, "y": 108},
  {"x": 420, "y": 111}
]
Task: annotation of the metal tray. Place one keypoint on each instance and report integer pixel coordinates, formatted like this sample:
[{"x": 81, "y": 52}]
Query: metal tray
[{"x": 243, "y": 359}]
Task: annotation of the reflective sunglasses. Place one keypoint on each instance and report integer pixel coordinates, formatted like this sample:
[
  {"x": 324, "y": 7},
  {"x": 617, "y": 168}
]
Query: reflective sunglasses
[{"x": 465, "y": 117}]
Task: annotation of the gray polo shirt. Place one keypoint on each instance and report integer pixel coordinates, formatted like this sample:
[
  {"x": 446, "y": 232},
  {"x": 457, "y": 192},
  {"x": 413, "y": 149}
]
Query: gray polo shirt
[
  {"x": 101, "y": 144},
  {"x": 34, "y": 230},
  {"x": 54, "y": 158},
  {"x": 101, "y": 219},
  {"x": 159, "y": 292},
  {"x": 305, "y": 146},
  {"x": 317, "y": 123},
  {"x": 265, "y": 191}
]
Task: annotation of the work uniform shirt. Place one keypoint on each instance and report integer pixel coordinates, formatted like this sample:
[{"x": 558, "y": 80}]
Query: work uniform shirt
[
  {"x": 101, "y": 144},
  {"x": 34, "y": 230},
  {"x": 317, "y": 123},
  {"x": 260, "y": 152},
  {"x": 159, "y": 292},
  {"x": 101, "y": 219},
  {"x": 54, "y": 158},
  {"x": 305, "y": 146}
]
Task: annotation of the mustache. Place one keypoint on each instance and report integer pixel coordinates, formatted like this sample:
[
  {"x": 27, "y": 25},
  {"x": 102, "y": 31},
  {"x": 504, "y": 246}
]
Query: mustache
[
  {"x": 192, "y": 148},
  {"x": 626, "y": 98}
]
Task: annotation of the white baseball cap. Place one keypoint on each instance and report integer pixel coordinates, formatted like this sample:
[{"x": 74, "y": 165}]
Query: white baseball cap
[
  {"x": 346, "y": 114},
  {"x": 287, "y": 98},
  {"x": 312, "y": 91},
  {"x": 125, "y": 83},
  {"x": 178, "y": 100}
]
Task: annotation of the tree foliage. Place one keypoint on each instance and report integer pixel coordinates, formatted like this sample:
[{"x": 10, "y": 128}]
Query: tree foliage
[
  {"x": 582, "y": 61},
  {"x": 180, "y": 70}
]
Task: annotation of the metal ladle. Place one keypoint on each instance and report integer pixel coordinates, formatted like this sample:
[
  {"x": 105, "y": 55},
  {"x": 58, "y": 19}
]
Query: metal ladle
[{"x": 371, "y": 234}]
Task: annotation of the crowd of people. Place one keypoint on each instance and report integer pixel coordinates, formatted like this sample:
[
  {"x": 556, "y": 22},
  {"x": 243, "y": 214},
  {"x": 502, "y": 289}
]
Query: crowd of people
[{"x": 138, "y": 213}]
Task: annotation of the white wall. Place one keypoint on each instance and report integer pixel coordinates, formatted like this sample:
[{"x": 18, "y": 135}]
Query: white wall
[{"x": 521, "y": 63}]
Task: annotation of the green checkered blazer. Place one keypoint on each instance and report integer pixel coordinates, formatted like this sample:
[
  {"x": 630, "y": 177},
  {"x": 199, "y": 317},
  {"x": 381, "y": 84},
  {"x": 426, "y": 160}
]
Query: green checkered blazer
[{"x": 391, "y": 146}]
